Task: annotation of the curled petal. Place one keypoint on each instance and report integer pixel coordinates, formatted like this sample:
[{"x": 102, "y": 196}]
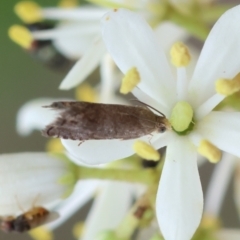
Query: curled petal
[
  {"x": 132, "y": 43},
  {"x": 33, "y": 116},
  {"x": 29, "y": 179},
  {"x": 94, "y": 152},
  {"x": 179, "y": 198},
  {"x": 83, "y": 192},
  {"x": 85, "y": 65},
  {"x": 109, "y": 209},
  {"x": 219, "y": 57},
  {"x": 223, "y": 130}
]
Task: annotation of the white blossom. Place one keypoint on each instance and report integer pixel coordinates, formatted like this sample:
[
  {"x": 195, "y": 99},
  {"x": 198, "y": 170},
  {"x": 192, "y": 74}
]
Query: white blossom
[{"x": 131, "y": 43}]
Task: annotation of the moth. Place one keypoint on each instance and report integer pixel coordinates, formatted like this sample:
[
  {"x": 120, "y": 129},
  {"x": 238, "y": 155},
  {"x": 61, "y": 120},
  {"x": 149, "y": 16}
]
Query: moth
[
  {"x": 33, "y": 218},
  {"x": 92, "y": 121}
]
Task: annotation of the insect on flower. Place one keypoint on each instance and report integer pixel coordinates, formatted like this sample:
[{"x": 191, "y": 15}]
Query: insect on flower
[
  {"x": 31, "y": 219},
  {"x": 92, "y": 121}
]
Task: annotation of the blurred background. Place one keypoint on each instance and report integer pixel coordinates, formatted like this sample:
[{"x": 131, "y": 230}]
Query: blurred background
[{"x": 22, "y": 79}]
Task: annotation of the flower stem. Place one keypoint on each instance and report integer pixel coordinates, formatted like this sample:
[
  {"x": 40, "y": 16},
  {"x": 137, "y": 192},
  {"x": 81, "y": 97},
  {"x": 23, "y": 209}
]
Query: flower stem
[{"x": 139, "y": 176}]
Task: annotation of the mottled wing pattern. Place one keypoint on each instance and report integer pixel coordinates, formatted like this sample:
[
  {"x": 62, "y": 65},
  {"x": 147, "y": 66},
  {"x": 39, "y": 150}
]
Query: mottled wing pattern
[{"x": 85, "y": 121}]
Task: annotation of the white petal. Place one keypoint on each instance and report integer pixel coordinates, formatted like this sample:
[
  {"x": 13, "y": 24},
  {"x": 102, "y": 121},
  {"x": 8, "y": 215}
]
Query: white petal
[
  {"x": 218, "y": 185},
  {"x": 109, "y": 209},
  {"x": 228, "y": 234},
  {"x": 29, "y": 179},
  {"x": 219, "y": 57},
  {"x": 236, "y": 190},
  {"x": 143, "y": 97},
  {"x": 94, "y": 152},
  {"x": 166, "y": 29},
  {"x": 85, "y": 65},
  {"x": 84, "y": 191},
  {"x": 83, "y": 13},
  {"x": 131, "y": 43},
  {"x": 33, "y": 116},
  {"x": 223, "y": 130},
  {"x": 179, "y": 198}
]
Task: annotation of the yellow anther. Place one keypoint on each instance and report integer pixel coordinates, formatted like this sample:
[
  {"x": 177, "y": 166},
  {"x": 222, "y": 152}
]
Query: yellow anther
[
  {"x": 41, "y": 233},
  {"x": 228, "y": 87},
  {"x": 181, "y": 116},
  {"x": 210, "y": 222},
  {"x": 54, "y": 145},
  {"x": 86, "y": 93},
  {"x": 20, "y": 35},
  {"x": 78, "y": 229},
  {"x": 146, "y": 151},
  {"x": 28, "y": 11},
  {"x": 130, "y": 81},
  {"x": 68, "y": 3},
  {"x": 180, "y": 55},
  {"x": 208, "y": 150}
]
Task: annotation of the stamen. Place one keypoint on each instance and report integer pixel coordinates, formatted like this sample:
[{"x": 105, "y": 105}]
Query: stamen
[
  {"x": 28, "y": 11},
  {"x": 68, "y": 3},
  {"x": 20, "y": 35},
  {"x": 86, "y": 93},
  {"x": 208, "y": 150},
  {"x": 54, "y": 145},
  {"x": 228, "y": 87},
  {"x": 180, "y": 55},
  {"x": 41, "y": 233},
  {"x": 181, "y": 117},
  {"x": 78, "y": 230},
  {"x": 146, "y": 151},
  {"x": 130, "y": 81}
]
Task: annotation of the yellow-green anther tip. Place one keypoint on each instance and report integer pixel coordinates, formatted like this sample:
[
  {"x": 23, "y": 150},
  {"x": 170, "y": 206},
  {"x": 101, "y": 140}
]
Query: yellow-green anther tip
[
  {"x": 28, "y": 11},
  {"x": 228, "y": 87},
  {"x": 130, "y": 81},
  {"x": 181, "y": 116},
  {"x": 211, "y": 152},
  {"x": 180, "y": 55},
  {"x": 146, "y": 151}
]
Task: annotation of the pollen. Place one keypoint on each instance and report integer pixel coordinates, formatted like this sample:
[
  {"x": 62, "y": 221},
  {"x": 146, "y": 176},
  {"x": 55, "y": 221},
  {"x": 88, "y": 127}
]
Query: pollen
[
  {"x": 228, "y": 87},
  {"x": 211, "y": 152},
  {"x": 68, "y": 3},
  {"x": 130, "y": 81},
  {"x": 86, "y": 93},
  {"x": 180, "y": 55},
  {"x": 146, "y": 151},
  {"x": 181, "y": 117},
  {"x": 28, "y": 11},
  {"x": 20, "y": 35},
  {"x": 41, "y": 233},
  {"x": 78, "y": 230}
]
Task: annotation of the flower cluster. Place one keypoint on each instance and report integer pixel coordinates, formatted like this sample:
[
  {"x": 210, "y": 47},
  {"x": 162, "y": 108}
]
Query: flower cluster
[{"x": 146, "y": 156}]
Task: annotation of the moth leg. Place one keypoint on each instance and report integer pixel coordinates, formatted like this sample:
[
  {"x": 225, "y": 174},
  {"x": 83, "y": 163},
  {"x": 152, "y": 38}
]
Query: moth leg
[
  {"x": 81, "y": 142},
  {"x": 150, "y": 138}
]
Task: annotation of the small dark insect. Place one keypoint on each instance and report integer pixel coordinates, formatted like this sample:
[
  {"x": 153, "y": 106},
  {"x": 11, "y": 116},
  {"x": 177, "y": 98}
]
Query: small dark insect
[
  {"x": 45, "y": 52},
  {"x": 28, "y": 220},
  {"x": 91, "y": 121}
]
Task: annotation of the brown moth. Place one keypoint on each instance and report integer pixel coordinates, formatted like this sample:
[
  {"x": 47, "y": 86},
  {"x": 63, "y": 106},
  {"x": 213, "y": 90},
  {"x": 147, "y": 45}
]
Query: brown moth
[
  {"x": 33, "y": 218},
  {"x": 91, "y": 121}
]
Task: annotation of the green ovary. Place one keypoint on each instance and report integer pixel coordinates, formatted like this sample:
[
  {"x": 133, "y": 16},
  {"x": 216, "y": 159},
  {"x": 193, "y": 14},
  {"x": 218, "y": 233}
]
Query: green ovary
[{"x": 181, "y": 117}]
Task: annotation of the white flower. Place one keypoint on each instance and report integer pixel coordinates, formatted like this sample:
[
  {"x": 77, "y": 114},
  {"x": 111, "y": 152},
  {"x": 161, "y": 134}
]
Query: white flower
[
  {"x": 131, "y": 43},
  {"x": 78, "y": 36},
  {"x": 30, "y": 179}
]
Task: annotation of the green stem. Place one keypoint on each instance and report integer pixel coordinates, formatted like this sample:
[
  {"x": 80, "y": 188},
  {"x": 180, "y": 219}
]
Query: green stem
[
  {"x": 139, "y": 176},
  {"x": 195, "y": 26}
]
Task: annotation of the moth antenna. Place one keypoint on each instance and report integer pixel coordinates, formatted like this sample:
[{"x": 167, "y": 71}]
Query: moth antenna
[{"x": 149, "y": 106}]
